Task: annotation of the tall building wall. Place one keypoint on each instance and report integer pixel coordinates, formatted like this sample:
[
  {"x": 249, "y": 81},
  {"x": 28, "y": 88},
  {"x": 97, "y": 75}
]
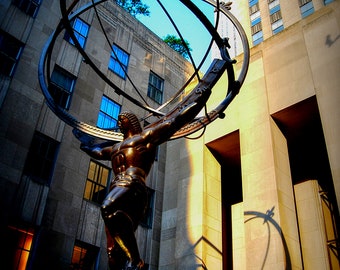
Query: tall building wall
[
  {"x": 263, "y": 19},
  {"x": 233, "y": 199},
  {"x": 277, "y": 138},
  {"x": 55, "y": 216}
]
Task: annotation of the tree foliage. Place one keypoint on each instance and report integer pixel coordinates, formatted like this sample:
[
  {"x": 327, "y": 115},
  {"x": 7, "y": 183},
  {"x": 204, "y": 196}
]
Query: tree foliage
[
  {"x": 177, "y": 44},
  {"x": 134, "y": 7}
]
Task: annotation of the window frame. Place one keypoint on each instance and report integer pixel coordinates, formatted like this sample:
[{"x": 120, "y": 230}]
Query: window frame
[
  {"x": 154, "y": 91},
  {"x": 254, "y": 9},
  {"x": 119, "y": 61},
  {"x": 274, "y": 10},
  {"x": 26, "y": 6},
  {"x": 79, "y": 32},
  {"x": 41, "y": 158},
  {"x": 19, "y": 242},
  {"x": 257, "y": 37},
  {"x": 253, "y": 2},
  {"x": 104, "y": 115},
  {"x": 79, "y": 260},
  {"x": 306, "y": 8},
  {"x": 273, "y": 3},
  {"x": 8, "y": 56},
  {"x": 61, "y": 94},
  {"x": 94, "y": 190},
  {"x": 147, "y": 221},
  {"x": 277, "y": 26}
]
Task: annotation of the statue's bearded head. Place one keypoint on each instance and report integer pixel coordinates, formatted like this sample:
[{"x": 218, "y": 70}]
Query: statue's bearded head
[{"x": 128, "y": 123}]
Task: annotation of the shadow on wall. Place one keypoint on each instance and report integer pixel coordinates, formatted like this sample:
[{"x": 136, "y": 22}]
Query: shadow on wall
[
  {"x": 268, "y": 220},
  {"x": 329, "y": 41}
]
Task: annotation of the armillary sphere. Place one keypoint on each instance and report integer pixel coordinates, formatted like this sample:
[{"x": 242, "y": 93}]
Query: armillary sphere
[{"x": 217, "y": 68}]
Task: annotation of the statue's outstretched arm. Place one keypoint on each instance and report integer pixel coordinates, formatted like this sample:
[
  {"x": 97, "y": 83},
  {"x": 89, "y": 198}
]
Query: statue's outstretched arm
[
  {"x": 183, "y": 115},
  {"x": 100, "y": 151}
]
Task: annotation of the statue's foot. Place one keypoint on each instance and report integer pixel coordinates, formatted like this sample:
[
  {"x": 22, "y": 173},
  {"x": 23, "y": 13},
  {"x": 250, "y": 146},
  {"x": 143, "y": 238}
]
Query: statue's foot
[
  {"x": 116, "y": 258},
  {"x": 134, "y": 266}
]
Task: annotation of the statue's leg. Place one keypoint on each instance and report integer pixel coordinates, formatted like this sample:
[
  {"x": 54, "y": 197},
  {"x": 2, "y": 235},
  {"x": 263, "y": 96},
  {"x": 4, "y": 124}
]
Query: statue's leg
[
  {"x": 119, "y": 224},
  {"x": 116, "y": 256},
  {"x": 125, "y": 236}
]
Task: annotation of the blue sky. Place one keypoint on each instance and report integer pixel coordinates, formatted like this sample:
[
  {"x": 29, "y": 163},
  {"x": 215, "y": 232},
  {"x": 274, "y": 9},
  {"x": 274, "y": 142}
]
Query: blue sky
[{"x": 190, "y": 27}]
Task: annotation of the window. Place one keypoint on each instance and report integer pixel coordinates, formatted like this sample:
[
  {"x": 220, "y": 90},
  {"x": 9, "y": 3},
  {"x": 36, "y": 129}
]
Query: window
[
  {"x": 18, "y": 243},
  {"x": 273, "y": 3},
  {"x": 277, "y": 26},
  {"x": 119, "y": 61},
  {"x": 41, "y": 158},
  {"x": 30, "y": 7},
  {"x": 328, "y": 1},
  {"x": 275, "y": 16},
  {"x": 155, "y": 88},
  {"x": 108, "y": 114},
  {"x": 10, "y": 51},
  {"x": 84, "y": 256},
  {"x": 253, "y": 2},
  {"x": 80, "y": 29},
  {"x": 257, "y": 38},
  {"x": 148, "y": 217},
  {"x": 274, "y": 9},
  {"x": 96, "y": 183},
  {"x": 61, "y": 87},
  {"x": 276, "y": 21},
  {"x": 254, "y": 8},
  {"x": 255, "y": 18},
  {"x": 255, "y": 21},
  {"x": 255, "y": 15},
  {"x": 306, "y": 7}
]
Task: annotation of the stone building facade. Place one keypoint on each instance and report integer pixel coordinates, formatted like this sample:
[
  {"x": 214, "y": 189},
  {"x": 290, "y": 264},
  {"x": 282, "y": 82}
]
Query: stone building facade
[
  {"x": 262, "y": 187},
  {"x": 50, "y": 190},
  {"x": 259, "y": 189}
]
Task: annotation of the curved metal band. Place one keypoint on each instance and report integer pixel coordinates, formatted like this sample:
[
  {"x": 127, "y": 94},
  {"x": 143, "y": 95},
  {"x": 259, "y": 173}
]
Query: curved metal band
[
  {"x": 233, "y": 86},
  {"x": 198, "y": 123}
]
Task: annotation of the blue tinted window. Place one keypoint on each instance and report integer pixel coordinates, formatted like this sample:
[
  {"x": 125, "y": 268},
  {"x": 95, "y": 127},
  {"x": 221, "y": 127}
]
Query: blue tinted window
[
  {"x": 274, "y": 9},
  {"x": 307, "y": 9},
  {"x": 257, "y": 38},
  {"x": 253, "y": 2},
  {"x": 256, "y": 21},
  {"x": 81, "y": 30},
  {"x": 119, "y": 61},
  {"x": 277, "y": 23},
  {"x": 108, "y": 114}
]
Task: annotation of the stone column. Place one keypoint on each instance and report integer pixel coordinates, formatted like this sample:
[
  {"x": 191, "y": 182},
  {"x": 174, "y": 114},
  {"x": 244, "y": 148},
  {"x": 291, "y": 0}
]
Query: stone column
[
  {"x": 312, "y": 226},
  {"x": 271, "y": 233}
]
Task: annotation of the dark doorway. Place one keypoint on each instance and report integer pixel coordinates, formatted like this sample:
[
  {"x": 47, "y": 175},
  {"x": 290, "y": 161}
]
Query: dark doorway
[
  {"x": 227, "y": 152},
  {"x": 308, "y": 157}
]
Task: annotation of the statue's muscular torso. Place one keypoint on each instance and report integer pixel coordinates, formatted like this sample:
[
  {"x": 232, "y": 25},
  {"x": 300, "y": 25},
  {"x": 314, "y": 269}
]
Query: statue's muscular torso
[{"x": 134, "y": 152}]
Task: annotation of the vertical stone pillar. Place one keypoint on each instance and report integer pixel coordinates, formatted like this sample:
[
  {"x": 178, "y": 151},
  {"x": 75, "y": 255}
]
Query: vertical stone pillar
[
  {"x": 271, "y": 237},
  {"x": 239, "y": 252},
  {"x": 326, "y": 81},
  {"x": 191, "y": 235},
  {"x": 312, "y": 226},
  {"x": 212, "y": 212}
]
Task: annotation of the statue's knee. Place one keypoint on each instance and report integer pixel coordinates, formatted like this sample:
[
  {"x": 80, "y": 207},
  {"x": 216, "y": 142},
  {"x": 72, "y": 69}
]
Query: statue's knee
[
  {"x": 107, "y": 210},
  {"x": 125, "y": 220}
]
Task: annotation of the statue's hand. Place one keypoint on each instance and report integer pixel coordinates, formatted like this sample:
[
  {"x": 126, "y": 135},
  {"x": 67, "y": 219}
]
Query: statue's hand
[
  {"x": 84, "y": 138},
  {"x": 84, "y": 146}
]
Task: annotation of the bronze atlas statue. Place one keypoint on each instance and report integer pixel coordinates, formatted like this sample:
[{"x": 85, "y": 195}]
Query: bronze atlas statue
[{"x": 133, "y": 149}]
